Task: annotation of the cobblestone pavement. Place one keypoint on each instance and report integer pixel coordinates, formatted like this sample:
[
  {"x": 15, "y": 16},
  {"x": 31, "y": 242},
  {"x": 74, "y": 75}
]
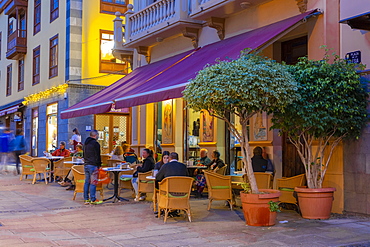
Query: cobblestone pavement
[{"x": 45, "y": 215}]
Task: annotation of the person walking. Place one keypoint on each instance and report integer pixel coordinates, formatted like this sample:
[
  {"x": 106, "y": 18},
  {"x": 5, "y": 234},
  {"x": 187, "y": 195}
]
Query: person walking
[
  {"x": 5, "y": 139},
  {"x": 19, "y": 147},
  {"x": 92, "y": 163}
]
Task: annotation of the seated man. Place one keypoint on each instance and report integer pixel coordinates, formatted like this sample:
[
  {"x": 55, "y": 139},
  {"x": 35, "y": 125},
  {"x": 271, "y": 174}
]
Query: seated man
[
  {"x": 204, "y": 160},
  {"x": 62, "y": 151},
  {"x": 259, "y": 164},
  {"x": 172, "y": 168}
]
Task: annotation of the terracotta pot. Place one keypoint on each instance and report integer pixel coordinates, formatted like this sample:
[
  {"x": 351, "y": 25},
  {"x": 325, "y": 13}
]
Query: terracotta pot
[
  {"x": 256, "y": 208},
  {"x": 315, "y": 203}
]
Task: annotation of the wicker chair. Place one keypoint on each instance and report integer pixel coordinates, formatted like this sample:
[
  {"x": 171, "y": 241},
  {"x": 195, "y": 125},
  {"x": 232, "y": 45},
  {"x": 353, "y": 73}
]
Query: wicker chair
[
  {"x": 174, "y": 194},
  {"x": 40, "y": 166},
  {"x": 104, "y": 159},
  {"x": 286, "y": 187},
  {"x": 79, "y": 179},
  {"x": 264, "y": 180},
  {"x": 219, "y": 188},
  {"x": 125, "y": 182},
  {"x": 61, "y": 169},
  {"x": 26, "y": 162},
  {"x": 222, "y": 170},
  {"x": 145, "y": 185},
  {"x": 113, "y": 163}
]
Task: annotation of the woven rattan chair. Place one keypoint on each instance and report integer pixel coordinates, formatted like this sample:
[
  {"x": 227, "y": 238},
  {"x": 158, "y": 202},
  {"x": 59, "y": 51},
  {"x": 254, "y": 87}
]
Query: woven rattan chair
[
  {"x": 26, "y": 162},
  {"x": 264, "y": 180},
  {"x": 286, "y": 187},
  {"x": 219, "y": 188},
  {"x": 125, "y": 181},
  {"x": 174, "y": 194},
  {"x": 79, "y": 179},
  {"x": 104, "y": 159},
  {"x": 145, "y": 185},
  {"x": 61, "y": 169},
  {"x": 40, "y": 166},
  {"x": 113, "y": 163},
  {"x": 222, "y": 170}
]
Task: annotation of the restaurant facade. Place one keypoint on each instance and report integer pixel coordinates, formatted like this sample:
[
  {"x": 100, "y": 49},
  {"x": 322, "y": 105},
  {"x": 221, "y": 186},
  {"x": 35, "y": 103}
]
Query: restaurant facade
[{"x": 169, "y": 41}]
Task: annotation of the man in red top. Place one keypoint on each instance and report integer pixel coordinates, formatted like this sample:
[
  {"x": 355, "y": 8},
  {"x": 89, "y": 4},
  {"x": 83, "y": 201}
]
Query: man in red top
[{"x": 62, "y": 151}]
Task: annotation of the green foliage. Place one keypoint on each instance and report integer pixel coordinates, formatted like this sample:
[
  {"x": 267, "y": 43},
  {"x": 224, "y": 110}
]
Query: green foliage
[
  {"x": 246, "y": 187},
  {"x": 243, "y": 86},
  {"x": 332, "y": 99},
  {"x": 274, "y": 206}
]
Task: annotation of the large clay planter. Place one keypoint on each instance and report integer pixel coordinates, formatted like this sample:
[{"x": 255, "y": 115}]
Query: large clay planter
[
  {"x": 256, "y": 208},
  {"x": 315, "y": 203}
]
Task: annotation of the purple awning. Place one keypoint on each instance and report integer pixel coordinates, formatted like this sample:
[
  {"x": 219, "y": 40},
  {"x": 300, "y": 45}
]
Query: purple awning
[
  {"x": 102, "y": 101},
  {"x": 170, "y": 85},
  {"x": 166, "y": 79}
]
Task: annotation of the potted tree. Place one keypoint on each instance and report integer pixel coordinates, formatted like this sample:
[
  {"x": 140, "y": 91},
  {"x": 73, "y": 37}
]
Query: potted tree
[
  {"x": 332, "y": 107},
  {"x": 243, "y": 87}
]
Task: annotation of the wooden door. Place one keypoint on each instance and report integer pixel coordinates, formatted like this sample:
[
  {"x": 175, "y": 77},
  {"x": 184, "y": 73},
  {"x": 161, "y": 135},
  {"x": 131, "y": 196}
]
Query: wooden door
[{"x": 292, "y": 164}]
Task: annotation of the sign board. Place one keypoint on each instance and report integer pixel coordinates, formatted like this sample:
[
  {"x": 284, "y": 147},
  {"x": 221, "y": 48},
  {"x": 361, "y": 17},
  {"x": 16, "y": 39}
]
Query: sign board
[{"x": 353, "y": 57}]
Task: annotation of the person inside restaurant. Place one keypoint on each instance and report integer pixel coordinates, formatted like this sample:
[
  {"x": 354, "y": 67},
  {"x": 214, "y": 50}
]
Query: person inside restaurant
[
  {"x": 117, "y": 153},
  {"x": 216, "y": 162},
  {"x": 62, "y": 151},
  {"x": 204, "y": 160},
  {"x": 146, "y": 166},
  {"x": 259, "y": 164}
]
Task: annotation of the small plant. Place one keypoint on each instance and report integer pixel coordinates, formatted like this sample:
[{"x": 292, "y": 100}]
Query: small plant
[
  {"x": 274, "y": 206},
  {"x": 246, "y": 187}
]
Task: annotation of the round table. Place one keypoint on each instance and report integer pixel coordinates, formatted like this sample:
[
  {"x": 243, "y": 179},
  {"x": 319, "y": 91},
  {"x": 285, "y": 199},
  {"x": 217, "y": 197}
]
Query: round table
[{"x": 116, "y": 171}]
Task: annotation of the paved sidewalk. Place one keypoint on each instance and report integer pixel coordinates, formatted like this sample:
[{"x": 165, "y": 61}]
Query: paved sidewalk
[{"x": 45, "y": 215}]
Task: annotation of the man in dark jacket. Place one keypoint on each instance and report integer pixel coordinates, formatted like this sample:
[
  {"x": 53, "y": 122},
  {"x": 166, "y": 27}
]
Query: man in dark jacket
[
  {"x": 259, "y": 164},
  {"x": 92, "y": 163},
  {"x": 172, "y": 168},
  {"x": 147, "y": 165}
]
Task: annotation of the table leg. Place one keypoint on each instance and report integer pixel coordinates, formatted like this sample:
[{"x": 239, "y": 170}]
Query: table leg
[{"x": 115, "y": 193}]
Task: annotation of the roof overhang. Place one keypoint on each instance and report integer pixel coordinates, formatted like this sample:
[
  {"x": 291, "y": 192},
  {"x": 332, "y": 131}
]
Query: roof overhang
[{"x": 361, "y": 21}]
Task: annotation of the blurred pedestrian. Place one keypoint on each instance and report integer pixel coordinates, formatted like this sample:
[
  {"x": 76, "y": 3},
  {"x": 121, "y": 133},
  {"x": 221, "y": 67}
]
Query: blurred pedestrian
[
  {"x": 19, "y": 147},
  {"x": 75, "y": 139},
  {"x": 5, "y": 139}
]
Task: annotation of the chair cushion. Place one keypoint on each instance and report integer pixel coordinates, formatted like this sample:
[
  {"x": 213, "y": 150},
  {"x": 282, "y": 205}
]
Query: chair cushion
[
  {"x": 27, "y": 166},
  {"x": 125, "y": 179},
  {"x": 146, "y": 181},
  {"x": 33, "y": 169},
  {"x": 286, "y": 189},
  {"x": 177, "y": 195},
  {"x": 80, "y": 180},
  {"x": 220, "y": 187}
]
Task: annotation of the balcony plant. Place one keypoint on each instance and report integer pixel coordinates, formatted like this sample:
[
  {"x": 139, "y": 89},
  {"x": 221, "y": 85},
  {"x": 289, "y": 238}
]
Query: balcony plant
[
  {"x": 244, "y": 87},
  {"x": 332, "y": 107}
]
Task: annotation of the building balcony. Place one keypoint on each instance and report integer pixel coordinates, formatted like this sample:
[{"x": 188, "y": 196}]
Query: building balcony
[
  {"x": 160, "y": 20},
  {"x": 8, "y": 6},
  {"x": 17, "y": 45},
  {"x": 205, "y": 9}
]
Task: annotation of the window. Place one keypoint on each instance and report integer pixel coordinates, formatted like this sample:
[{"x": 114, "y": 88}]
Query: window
[
  {"x": 54, "y": 10},
  {"x": 20, "y": 75},
  {"x": 51, "y": 126},
  {"x": 37, "y": 17},
  {"x": 0, "y": 43},
  {"x": 53, "y": 57},
  {"x": 9, "y": 80},
  {"x": 36, "y": 66},
  {"x": 291, "y": 50},
  {"x": 112, "y": 6},
  {"x": 34, "y": 131},
  {"x": 108, "y": 63},
  {"x": 22, "y": 26},
  {"x": 11, "y": 26}
]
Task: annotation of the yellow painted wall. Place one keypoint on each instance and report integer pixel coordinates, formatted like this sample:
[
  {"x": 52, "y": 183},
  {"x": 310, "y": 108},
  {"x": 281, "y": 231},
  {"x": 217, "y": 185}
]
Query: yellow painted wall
[{"x": 92, "y": 22}]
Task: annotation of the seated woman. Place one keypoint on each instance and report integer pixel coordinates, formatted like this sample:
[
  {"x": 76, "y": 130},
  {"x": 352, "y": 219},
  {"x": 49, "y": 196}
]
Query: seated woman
[
  {"x": 117, "y": 153},
  {"x": 79, "y": 153},
  {"x": 200, "y": 180},
  {"x": 62, "y": 151},
  {"x": 147, "y": 165},
  {"x": 164, "y": 160}
]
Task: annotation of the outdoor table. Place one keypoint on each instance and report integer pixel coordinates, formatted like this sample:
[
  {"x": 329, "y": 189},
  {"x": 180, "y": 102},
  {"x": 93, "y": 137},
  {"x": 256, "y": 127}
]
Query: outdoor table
[
  {"x": 52, "y": 158},
  {"x": 116, "y": 171},
  {"x": 191, "y": 169}
]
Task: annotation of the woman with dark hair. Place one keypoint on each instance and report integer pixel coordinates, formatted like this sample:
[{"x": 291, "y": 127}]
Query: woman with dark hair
[
  {"x": 216, "y": 163},
  {"x": 146, "y": 166},
  {"x": 165, "y": 159},
  {"x": 76, "y": 138}
]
